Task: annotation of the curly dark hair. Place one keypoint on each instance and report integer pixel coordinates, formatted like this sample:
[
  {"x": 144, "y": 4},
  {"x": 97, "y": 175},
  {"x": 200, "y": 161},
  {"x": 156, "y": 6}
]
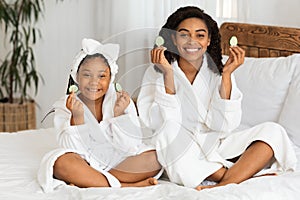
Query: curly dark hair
[{"x": 214, "y": 49}]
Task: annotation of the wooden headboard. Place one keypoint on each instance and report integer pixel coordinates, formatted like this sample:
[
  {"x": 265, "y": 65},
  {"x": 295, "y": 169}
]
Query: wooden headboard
[{"x": 261, "y": 40}]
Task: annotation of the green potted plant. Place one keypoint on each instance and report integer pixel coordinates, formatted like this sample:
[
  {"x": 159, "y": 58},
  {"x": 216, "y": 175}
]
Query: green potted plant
[{"x": 18, "y": 74}]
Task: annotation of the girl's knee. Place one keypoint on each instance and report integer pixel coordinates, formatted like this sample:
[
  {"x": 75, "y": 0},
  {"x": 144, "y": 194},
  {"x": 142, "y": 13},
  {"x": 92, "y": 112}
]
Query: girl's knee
[
  {"x": 63, "y": 163},
  {"x": 151, "y": 157}
]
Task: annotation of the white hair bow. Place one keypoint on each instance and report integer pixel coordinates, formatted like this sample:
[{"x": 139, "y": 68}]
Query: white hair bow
[{"x": 90, "y": 47}]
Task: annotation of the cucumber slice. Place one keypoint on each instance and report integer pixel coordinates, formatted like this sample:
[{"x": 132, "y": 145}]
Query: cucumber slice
[
  {"x": 159, "y": 41},
  {"x": 73, "y": 88},
  {"x": 118, "y": 87},
  {"x": 233, "y": 41}
]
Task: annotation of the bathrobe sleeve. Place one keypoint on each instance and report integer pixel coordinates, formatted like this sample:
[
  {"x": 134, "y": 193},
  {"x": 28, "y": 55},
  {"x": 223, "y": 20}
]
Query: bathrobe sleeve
[
  {"x": 154, "y": 105},
  {"x": 125, "y": 132},
  {"x": 68, "y": 136},
  {"x": 225, "y": 115}
]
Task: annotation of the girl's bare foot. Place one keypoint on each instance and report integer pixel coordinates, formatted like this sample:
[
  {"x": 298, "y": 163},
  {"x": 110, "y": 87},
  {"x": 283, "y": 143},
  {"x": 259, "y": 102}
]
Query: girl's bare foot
[{"x": 143, "y": 183}]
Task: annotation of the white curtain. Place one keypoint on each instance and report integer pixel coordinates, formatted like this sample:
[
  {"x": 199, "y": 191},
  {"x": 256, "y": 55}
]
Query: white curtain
[{"x": 231, "y": 11}]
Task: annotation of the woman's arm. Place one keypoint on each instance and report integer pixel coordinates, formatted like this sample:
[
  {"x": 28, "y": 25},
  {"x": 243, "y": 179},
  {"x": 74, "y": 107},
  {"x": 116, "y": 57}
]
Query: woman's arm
[
  {"x": 154, "y": 104},
  {"x": 158, "y": 58},
  {"x": 224, "y": 115},
  {"x": 225, "y": 112},
  {"x": 236, "y": 58}
]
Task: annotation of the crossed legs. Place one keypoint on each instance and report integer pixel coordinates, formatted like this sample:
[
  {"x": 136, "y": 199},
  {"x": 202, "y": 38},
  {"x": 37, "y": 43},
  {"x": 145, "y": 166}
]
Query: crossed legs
[
  {"x": 135, "y": 171},
  {"x": 254, "y": 159}
]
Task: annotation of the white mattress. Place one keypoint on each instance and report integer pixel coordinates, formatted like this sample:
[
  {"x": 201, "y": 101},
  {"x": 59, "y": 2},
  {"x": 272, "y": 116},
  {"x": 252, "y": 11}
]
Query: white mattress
[{"x": 20, "y": 155}]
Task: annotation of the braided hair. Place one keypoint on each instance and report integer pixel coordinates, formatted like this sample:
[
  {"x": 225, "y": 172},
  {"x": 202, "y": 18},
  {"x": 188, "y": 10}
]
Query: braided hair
[{"x": 173, "y": 21}]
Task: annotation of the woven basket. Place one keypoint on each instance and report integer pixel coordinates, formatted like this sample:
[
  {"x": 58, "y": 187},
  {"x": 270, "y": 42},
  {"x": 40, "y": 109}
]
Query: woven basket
[{"x": 17, "y": 117}]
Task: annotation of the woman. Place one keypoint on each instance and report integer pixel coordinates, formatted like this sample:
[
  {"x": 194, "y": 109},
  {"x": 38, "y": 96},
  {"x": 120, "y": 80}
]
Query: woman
[{"x": 192, "y": 102}]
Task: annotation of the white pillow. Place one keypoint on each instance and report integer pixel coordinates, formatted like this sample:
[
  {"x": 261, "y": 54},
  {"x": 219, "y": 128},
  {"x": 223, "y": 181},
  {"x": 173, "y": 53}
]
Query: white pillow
[
  {"x": 264, "y": 83},
  {"x": 290, "y": 115}
]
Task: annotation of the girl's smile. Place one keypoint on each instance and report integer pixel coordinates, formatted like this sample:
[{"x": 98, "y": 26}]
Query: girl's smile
[{"x": 93, "y": 79}]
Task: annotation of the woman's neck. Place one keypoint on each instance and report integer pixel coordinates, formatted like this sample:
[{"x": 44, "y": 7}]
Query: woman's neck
[{"x": 190, "y": 69}]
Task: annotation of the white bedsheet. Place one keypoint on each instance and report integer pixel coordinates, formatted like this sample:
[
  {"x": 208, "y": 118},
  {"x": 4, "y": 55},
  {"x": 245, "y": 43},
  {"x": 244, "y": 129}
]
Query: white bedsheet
[{"x": 21, "y": 153}]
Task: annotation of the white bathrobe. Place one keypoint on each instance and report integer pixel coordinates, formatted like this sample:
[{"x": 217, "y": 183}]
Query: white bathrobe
[
  {"x": 196, "y": 130},
  {"x": 103, "y": 145}
]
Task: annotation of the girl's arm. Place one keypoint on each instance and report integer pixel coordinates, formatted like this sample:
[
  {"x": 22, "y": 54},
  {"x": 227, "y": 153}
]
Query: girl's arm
[
  {"x": 67, "y": 134},
  {"x": 122, "y": 102},
  {"x": 76, "y": 108}
]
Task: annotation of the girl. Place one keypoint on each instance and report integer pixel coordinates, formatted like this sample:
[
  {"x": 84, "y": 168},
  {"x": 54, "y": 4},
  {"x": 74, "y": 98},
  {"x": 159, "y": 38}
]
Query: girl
[
  {"x": 98, "y": 129},
  {"x": 192, "y": 98}
]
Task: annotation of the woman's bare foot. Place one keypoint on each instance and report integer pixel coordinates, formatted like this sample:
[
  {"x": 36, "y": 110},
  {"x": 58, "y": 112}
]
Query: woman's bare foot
[
  {"x": 201, "y": 187},
  {"x": 143, "y": 183},
  {"x": 267, "y": 174},
  {"x": 218, "y": 175}
]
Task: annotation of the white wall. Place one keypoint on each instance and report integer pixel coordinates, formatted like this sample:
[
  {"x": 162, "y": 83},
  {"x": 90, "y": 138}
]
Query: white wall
[
  {"x": 268, "y": 12},
  {"x": 273, "y": 12},
  {"x": 63, "y": 26},
  {"x": 66, "y": 23}
]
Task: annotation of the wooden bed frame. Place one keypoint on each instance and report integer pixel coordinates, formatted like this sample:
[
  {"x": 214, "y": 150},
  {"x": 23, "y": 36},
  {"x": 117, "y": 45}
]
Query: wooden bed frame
[{"x": 261, "y": 40}]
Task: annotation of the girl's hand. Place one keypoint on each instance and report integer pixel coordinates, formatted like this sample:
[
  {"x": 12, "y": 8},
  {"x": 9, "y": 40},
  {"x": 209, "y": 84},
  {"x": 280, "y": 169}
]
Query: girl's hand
[
  {"x": 76, "y": 108},
  {"x": 158, "y": 58},
  {"x": 122, "y": 102},
  {"x": 236, "y": 58}
]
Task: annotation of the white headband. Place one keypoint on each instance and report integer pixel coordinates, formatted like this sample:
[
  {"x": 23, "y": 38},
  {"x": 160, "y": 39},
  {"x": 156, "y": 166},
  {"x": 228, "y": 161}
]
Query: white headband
[{"x": 90, "y": 47}]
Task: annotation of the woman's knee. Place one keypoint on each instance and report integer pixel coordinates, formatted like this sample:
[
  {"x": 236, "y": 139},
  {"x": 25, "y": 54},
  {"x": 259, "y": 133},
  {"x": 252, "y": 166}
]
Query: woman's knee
[
  {"x": 273, "y": 127},
  {"x": 273, "y": 131}
]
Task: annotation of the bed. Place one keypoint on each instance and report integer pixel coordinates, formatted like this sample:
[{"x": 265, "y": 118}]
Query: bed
[{"x": 21, "y": 152}]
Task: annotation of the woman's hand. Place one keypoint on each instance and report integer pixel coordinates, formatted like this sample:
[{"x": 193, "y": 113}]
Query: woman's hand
[
  {"x": 76, "y": 108},
  {"x": 122, "y": 102},
  {"x": 236, "y": 58},
  {"x": 158, "y": 58}
]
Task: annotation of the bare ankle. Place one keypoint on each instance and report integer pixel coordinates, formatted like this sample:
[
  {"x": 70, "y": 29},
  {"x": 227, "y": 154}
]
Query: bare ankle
[
  {"x": 218, "y": 175},
  {"x": 147, "y": 182}
]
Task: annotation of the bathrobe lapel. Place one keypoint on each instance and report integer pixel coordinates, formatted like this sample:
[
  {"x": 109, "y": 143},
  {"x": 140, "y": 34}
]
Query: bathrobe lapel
[{"x": 195, "y": 96}]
